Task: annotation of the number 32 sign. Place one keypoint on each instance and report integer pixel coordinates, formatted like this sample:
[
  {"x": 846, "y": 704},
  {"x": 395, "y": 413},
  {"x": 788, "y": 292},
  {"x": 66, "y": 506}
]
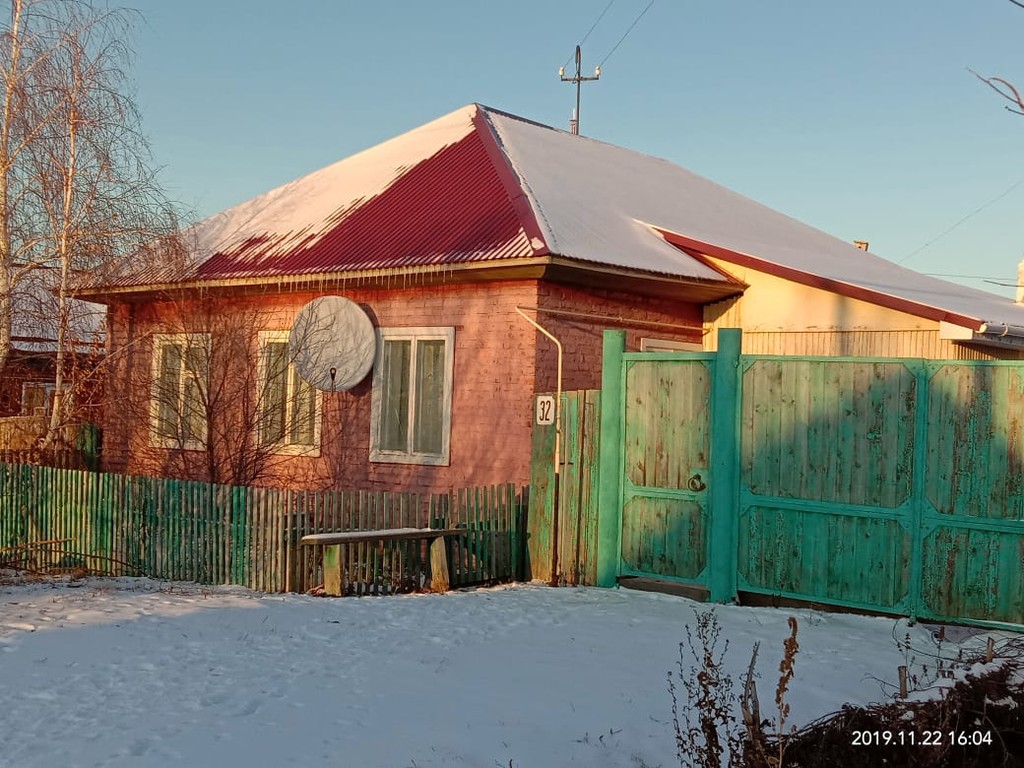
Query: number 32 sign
[{"x": 545, "y": 409}]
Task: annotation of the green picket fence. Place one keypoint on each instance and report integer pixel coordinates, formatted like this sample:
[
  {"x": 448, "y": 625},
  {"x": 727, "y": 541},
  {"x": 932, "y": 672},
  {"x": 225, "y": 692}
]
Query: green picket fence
[{"x": 52, "y": 519}]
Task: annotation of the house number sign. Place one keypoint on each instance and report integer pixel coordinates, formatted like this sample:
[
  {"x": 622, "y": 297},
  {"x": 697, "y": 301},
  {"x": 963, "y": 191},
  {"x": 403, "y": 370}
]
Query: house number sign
[{"x": 545, "y": 409}]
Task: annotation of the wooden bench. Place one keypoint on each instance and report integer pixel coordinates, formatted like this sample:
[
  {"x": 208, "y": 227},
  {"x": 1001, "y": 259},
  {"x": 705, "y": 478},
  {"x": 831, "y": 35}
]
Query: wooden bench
[{"x": 334, "y": 552}]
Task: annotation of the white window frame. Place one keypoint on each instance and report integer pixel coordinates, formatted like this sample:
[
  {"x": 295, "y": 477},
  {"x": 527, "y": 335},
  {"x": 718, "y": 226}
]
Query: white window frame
[
  {"x": 48, "y": 387},
  {"x": 669, "y": 345},
  {"x": 284, "y": 447},
  {"x": 185, "y": 340},
  {"x": 413, "y": 334}
]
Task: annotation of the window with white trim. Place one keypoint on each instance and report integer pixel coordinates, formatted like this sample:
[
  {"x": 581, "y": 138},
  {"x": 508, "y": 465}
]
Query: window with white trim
[
  {"x": 290, "y": 408},
  {"x": 412, "y": 395},
  {"x": 37, "y": 398},
  {"x": 178, "y": 398}
]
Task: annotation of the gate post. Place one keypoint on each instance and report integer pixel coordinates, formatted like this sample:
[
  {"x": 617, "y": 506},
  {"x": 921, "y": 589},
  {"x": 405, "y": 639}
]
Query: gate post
[
  {"x": 725, "y": 475},
  {"x": 609, "y": 515}
]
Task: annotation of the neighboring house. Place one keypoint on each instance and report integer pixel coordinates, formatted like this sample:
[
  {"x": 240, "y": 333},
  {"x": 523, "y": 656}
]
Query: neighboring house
[
  {"x": 449, "y": 237},
  {"x": 28, "y": 378}
]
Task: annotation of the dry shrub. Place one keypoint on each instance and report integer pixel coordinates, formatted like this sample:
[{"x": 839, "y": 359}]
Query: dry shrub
[
  {"x": 986, "y": 708},
  {"x": 708, "y": 734},
  {"x": 705, "y": 727}
]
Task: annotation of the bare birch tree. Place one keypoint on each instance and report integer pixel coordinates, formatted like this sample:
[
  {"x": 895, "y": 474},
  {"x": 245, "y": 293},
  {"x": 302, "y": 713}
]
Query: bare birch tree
[
  {"x": 22, "y": 52},
  {"x": 85, "y": 199}
]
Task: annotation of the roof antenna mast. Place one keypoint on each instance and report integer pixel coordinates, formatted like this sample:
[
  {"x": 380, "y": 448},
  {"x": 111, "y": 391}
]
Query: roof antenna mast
[{"x": 574, "y": 122}]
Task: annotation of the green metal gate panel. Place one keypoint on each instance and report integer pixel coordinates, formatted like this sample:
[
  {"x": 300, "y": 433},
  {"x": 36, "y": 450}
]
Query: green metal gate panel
[
  {"x": 973, "y": 574},
  {"x": 664, "y": 537},
  {"x": 823, "y": 556},
  {"x": 833, "y": 431},
  {"x": 975, "y": 451}
]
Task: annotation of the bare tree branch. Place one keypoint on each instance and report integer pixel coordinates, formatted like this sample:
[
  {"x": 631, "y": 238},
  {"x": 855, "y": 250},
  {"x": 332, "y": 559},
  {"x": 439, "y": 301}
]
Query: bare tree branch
[{"x": 1005, "y": 89}]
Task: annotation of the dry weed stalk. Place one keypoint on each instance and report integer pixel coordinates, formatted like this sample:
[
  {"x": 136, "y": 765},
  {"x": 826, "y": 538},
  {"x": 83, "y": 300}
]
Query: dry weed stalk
[
  {"x": 711, "y": 699},
  {"x": 708, "y": 715},
  {"x": 790, "y": 647}
]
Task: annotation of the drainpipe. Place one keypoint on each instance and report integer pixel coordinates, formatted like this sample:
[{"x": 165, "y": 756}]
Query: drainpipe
[{"x": 558, "y": 445}]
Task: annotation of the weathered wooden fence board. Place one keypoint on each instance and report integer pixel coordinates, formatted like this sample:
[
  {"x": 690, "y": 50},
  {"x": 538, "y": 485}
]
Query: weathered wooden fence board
[
  {"x": 566, "y": 552},
  {"x": 177, "y": 530}
]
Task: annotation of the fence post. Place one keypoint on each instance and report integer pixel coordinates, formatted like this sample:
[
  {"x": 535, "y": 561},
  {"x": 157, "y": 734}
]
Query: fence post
[
  {"x": 725, "y": 464},
  {"x": 609, "y": 514},
  {"x": 915, "y": 589}
]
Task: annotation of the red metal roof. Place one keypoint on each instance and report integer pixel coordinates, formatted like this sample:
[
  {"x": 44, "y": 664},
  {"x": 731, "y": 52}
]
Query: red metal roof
[
  {"x": 451, "y": 208},
  {"x": 479, "y": 185}
]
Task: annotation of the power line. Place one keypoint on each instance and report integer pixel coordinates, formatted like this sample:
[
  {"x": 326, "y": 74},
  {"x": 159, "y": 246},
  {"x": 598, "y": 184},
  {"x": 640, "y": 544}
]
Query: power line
[
  {"x": 592, "y": 27},
  {"x": 964, "y": 277},
  {"x": 635, "y": 22},
  {"x": 961, "y": 221},
  {"x": 578, "y": 79},
  {"x": 1000, "y": 281},
  {"x": 1005, "y": 285}
]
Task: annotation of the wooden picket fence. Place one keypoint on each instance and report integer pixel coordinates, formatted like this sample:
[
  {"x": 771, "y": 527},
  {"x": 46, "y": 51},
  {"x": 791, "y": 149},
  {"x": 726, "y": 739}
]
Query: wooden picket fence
[
  {"x": 59, "y": 519},
  {"x": 77, "y": 446}
]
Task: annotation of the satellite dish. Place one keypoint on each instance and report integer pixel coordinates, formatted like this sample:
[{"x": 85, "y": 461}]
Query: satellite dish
[{"x": 332, "y": 343}]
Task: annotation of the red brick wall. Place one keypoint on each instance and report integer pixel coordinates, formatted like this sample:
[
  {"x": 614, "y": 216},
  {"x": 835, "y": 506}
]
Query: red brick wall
[
  {"x": 491, "y": 406},
  {"x": 582, "y": 337},
  {"x": 22, "y": 367},
  {"x": 500, "y": 362}
]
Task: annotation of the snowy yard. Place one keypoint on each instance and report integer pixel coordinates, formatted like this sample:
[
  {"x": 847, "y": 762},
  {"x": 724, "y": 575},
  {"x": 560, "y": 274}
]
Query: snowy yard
[{"x": 133, "y": 672}]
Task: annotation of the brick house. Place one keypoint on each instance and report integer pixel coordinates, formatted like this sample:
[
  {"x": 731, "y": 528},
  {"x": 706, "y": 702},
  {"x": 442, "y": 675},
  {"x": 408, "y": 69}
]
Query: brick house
[{"x": 452, "y": 238}]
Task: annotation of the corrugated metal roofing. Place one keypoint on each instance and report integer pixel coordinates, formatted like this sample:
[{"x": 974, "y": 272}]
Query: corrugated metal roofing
[
  {"x": 482, "y": 185},
  {"x": 449, "y": 208},
  {"x": 589, "y": 194}
]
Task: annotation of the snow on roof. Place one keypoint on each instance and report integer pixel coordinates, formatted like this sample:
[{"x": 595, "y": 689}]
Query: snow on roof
[
  {"x": 480, "y": 184},
  {"x": 588, "y": 194},
  {"x": 427, "y": 196},
  {"x": 34, "y": 324}
]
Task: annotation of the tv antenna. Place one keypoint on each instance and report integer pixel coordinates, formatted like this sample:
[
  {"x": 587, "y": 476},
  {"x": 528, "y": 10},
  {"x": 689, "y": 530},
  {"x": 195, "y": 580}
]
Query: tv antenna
[{"x": 574, "y": 122}]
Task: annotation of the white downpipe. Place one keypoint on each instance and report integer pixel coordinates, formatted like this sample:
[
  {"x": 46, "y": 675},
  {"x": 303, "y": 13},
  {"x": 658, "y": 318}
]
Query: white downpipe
[{"x": 558, "y": 388}]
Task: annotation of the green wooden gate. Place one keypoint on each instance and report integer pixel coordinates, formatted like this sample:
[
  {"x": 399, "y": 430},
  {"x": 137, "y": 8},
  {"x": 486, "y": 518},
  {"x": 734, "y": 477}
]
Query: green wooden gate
[
  {"x": 666, "y": 467},
  {"x": 881, "y": 484}
]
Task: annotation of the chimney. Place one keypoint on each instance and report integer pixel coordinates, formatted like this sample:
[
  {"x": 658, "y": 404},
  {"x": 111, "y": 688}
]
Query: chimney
[
  {"x": 862, "y": 244},
  {"x": 1019, "y": 298}
]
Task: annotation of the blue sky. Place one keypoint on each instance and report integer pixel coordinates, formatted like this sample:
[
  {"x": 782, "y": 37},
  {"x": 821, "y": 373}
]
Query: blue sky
[{"x": 858, "y": 118}]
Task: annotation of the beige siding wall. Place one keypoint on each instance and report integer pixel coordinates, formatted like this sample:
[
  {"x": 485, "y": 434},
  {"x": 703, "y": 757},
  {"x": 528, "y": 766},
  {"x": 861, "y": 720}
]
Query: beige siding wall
[
  {"x": 780, "y": 317},
  {"x": 923, "y": 344}
]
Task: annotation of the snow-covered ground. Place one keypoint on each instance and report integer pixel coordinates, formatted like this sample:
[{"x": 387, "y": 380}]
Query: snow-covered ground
[{"x": 132, "y": 672}]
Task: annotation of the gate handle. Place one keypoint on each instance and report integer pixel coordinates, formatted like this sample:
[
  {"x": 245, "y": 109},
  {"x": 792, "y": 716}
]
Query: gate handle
[{"x": 695, "y": 484}]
